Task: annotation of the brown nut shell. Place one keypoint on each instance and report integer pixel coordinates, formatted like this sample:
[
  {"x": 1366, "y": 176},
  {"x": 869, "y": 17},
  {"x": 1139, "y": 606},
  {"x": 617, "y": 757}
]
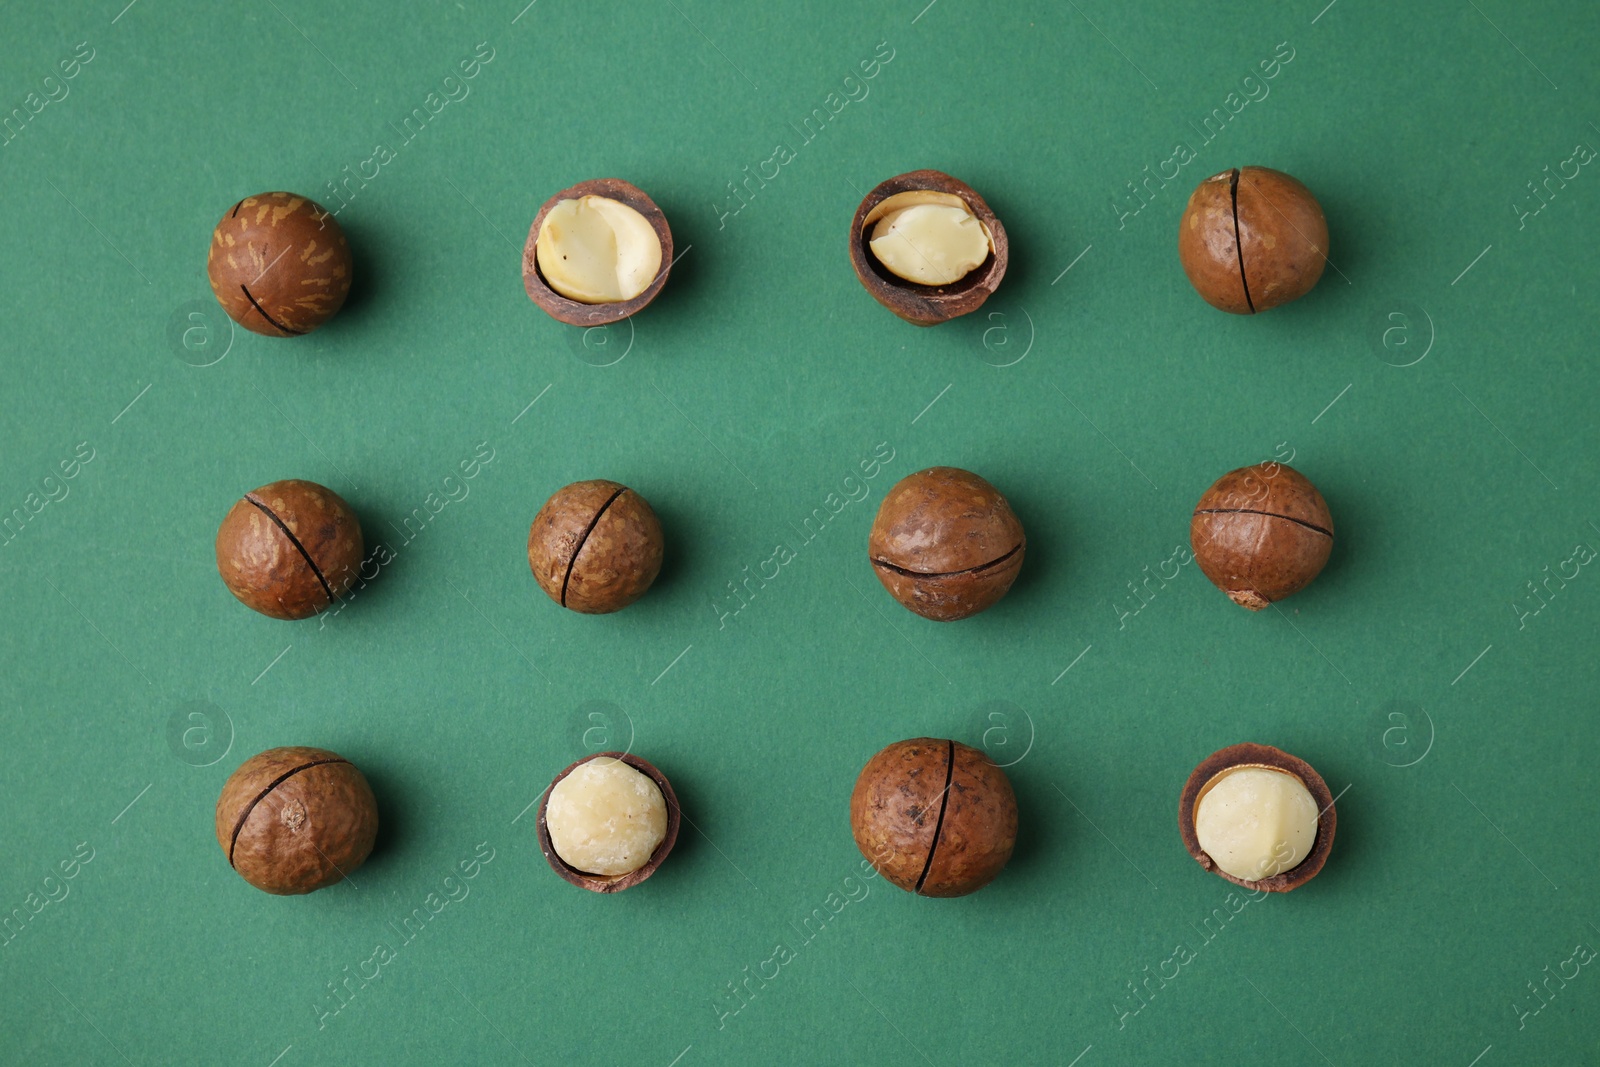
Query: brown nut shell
[
  {"x": 1252, "y": 238},
  {"x": 1261, "y": 533},
  {"x": 575, "y": 312},
  {"x": 935, "y": 817},
  {"x": 279, "y": 264},
  {"x": 595, "y": 546},
  {"x": 601, "y": 883},
  {"x": 1249, "y": 755},
  {"x": 293, "y": 820},
  {"x": 929, "y": 305},
  {"x": 945, "y": 543},
  {"x": 289, "y": 549}
]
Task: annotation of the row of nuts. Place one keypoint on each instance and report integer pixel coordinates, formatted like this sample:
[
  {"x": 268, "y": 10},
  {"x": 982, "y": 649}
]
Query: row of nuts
[
  {"x": 935, "y": 817},
  {"x": 945, "y": 543},
  {"x": 923, "y": 244}
]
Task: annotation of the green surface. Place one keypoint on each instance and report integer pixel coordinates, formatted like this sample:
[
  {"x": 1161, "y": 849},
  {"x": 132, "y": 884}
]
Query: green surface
[{"x": 1452, "y": 711}]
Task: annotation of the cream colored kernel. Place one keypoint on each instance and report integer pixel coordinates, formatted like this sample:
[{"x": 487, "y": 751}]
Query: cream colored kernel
[
  {"x": 1255, "y": 822},
  {"x": 605, "y": 817},
  {"x": 927, "y": 237},
  {"x": 596, "y": 250}
]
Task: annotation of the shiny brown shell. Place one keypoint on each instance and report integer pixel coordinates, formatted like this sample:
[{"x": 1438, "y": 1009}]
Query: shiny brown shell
[
  {"x": 595, "y": 546},
  {"x": 289, "y": 549},
  {"x": 1252, "y": 238},
  {"x": 293, "y": 820},
  {"x": 279, "y": 264},
  {"x": 945, "y": 543},
  {"x": 1261, "y": 533}
]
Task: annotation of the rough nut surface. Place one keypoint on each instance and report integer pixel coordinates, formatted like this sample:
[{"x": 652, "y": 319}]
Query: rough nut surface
[
  {"x": 578, "y": 312},
  {"x": 599, "y": 882},
  {"x": 279, "y": 264},
  {"x": 1261, "y": 533},
  {"x": 945, "y": 543},
  {"x": 927, "y": 304},
  {"x": 595, "y": 546},
  {"x": 289, "y": 549},
  {"x": 605, "y": 817},
  {"x": 1252, "y": 238},
  {"x": 935, "y": 817},
  {"x": 292, "y": 820}
]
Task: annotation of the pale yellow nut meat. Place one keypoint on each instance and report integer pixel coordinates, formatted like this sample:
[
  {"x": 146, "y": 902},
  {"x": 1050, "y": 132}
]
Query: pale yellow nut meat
[
  {"x": 605, "y": 817},
  {"x": 1255, "y": 822},
  {"x": 597, "y": 251},
  {"x": 927, "y": 237}
]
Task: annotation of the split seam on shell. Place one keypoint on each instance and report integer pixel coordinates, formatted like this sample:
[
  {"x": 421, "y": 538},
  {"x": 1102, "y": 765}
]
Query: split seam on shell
[
  {"x": 573, "y": 562},
  {"x": 886, "y": 565},
  {"x": 1238, "y": 245},
  {"x": 938, "y": 826},
  {"x": 1268, "y": 514},
  {"x": 263, "y": 313},
  {"x": 295, "y": 541},
  {"x": 259, "y": 797}
]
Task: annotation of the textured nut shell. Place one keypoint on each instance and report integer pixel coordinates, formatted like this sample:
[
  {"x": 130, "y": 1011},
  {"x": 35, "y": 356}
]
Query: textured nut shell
[
  {"x": 1261, "y": 533},
  {"x": 260, "y": 563},
  {"x": 979, "y": 828},
  {"x": 1264, "y": 756},
  {"x": 576, "y": 313},
  {"x": 308, "y": 819},
  {"x": 929, "y": 305},
  {"x": 591, "y": 564},
  {"x": 600, "y": 883},
  {"x": 1208, "y": 245},
  {"x": 894, "y": 808},
  {"x": 1283, "y": 236},
  {"x": 946, "y": 544},
  {"x": 279, "y": 264}
]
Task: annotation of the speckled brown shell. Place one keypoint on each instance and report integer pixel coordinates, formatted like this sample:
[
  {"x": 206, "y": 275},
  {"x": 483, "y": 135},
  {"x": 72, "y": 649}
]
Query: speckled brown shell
[
  {"x": 928, "y": 305},
  {"x": 577, "y": 313},
  {"x": 1261, "y": 533},
  {"x": 1248, "y": 755},
  {"x": 289, "y": 549},
  {"x": 935, "y": 817},
  {"x": 1252, "y": 238},
  {"x": 292, "y": 820},
  {"x": 615, "y": 883},
  {"x": 946, "y": 544},
  {"x": 279, "y": 264},
  {"x": 595, "y": 547}
]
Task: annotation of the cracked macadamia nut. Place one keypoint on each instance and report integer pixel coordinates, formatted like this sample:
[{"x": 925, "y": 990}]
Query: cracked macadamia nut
[
  {"x": 608, "y": 821},
  {"x": 1261, "y": 533},
  {"x": 289, "y": 549},
  {"x": 279, "y": 264},
  {"x": 595, "y": 547},
  {"x": 945, "y": 543},
  {"x": 1252, "y": 238},
  {"x": 292, "y": 820},
  {"x": 605, "y": 817},
  {"x": 935, "y": 817},
  {"x": 597, "y": 253},
  {"x": 1257, "y": 816},
  {"x": 927, "y": 247}
]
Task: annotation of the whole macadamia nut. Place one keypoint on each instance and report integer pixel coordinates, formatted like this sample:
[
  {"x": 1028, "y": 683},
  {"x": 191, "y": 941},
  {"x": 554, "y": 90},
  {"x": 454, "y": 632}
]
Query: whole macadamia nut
[
  {"x": 279, "y": 264},
  {"x": 291, "y": 820},
  {"x": 935, "y": 817},
  {"x": 1261, "y": 533},
  {"x": 289, "y": 549},
  {"x": 1252, "y": 238},
  {"x": 595, "y": 547},
  {"x": 945, "y": 543}
]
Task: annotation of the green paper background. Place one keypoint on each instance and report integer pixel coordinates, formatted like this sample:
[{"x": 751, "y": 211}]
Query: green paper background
[{"x": 1452, "y": 711}]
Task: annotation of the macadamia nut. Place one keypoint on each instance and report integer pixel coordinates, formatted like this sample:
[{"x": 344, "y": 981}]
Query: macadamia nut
[
  {"x": 597, "y": 250},
  {"x": 1255, "y": 822},
  {"x": 606, "y": 818},
  {"x": 928, "y": 237}
]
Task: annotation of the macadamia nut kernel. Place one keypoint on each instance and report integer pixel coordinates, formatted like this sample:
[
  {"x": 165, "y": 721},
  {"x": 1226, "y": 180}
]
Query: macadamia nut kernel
[
  {"x": 927, "y": 237},
  {"x": 606, "y": 817},
  {"x": 1256, "y": 822},
  {"x": 597, "y": 250}
]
